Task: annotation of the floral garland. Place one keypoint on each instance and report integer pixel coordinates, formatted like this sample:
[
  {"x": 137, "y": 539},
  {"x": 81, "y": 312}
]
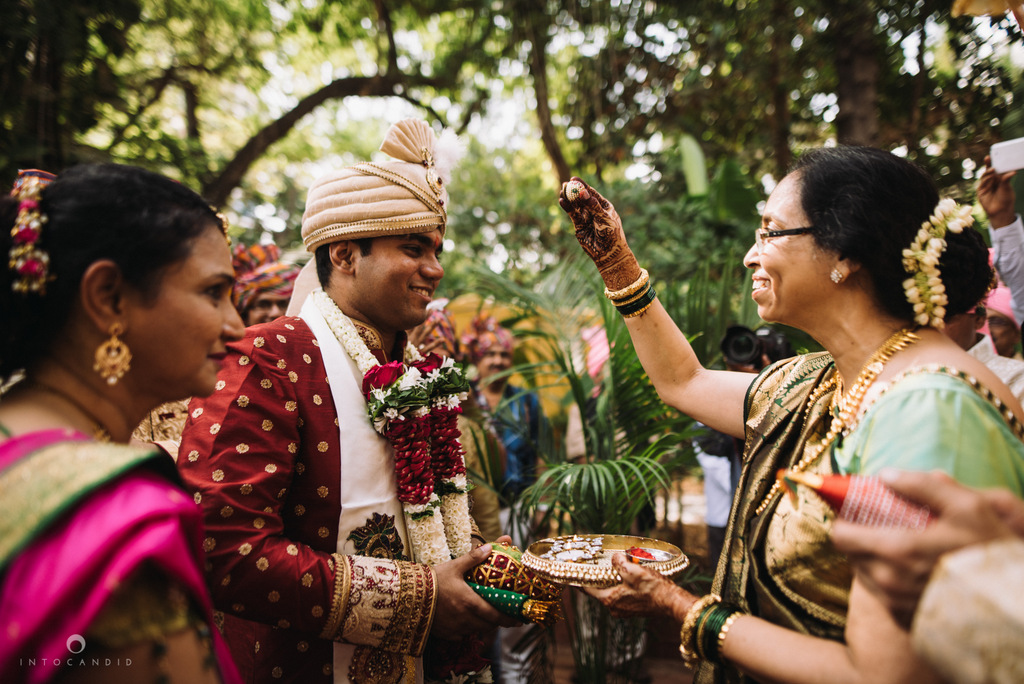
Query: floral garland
[
  {"x": 924, "y": 290},
  {"x": 415, "y": 404}
]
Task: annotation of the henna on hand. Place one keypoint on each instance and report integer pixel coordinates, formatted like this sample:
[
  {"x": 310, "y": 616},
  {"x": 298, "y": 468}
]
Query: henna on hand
[
  {"x": 599, "y": 231},
  {"x": 643, "y": 591}
]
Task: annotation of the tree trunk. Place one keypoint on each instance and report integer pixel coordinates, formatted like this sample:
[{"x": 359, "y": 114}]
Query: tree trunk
[
  {"x": 538, "y": 69},
  {"x": 217, "y": 190},
  {"x": 43, "y": 93},
  {"x": 857, "y": 72},
  {"x": 780, "y": 120}
]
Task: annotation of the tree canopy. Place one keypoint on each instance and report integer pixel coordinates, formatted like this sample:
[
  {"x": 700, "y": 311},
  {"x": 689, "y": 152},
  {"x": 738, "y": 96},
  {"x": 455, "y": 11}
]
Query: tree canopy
[{"x": 248, "y": 101}]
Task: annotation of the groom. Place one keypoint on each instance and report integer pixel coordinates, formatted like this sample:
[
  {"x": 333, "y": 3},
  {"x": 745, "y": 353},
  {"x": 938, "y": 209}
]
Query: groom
[{"x": 322, "y": 555}]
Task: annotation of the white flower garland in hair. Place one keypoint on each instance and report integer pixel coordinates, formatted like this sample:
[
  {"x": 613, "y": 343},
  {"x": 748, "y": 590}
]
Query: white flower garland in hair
[
  {"x": 439, "y": 526},
  {"x": 924, "y": 289}
]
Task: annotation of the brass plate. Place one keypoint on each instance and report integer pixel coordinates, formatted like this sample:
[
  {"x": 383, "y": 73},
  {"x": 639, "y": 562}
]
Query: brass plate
[{"x": 600, "y": 572}]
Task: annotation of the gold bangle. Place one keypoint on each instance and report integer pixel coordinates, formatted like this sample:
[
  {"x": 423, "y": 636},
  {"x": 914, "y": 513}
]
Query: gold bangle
[
  {"x": 639, "y": 312},
  {"x": 725, "y": 629},
  {"x": 630, "y": 289},
  {"x": 635, "y": 296},
  {"x": 686, "y": 633}
]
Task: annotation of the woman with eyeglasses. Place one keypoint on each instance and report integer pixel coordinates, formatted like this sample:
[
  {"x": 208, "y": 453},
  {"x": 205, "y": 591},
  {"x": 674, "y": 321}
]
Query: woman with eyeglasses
[{"x": 856, "y": 249}]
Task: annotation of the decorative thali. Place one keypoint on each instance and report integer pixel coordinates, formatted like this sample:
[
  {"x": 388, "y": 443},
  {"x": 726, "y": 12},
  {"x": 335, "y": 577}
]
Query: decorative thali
[{"x": 585, "y": 560}]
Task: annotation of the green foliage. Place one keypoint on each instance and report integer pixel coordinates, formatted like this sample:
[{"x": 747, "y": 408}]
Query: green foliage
[
  {"x": 632, "y": 440},
  {"x": 504, "y": 212},
  {"x": 56, "y": 74},
  {"x": 758, "y": 81}
]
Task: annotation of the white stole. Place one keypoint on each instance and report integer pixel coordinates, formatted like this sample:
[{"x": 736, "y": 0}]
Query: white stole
[{"x": 367, "y": 483}]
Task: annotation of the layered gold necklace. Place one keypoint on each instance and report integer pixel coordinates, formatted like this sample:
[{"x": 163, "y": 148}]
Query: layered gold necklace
[{"x": 846, "y": 407}]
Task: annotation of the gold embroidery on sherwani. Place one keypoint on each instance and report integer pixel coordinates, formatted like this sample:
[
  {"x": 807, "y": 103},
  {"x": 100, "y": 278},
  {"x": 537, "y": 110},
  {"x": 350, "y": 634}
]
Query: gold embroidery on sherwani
[
  {"x": 378, "y": 538},
  {"x": 371, "y": 338},
  {"x": 376, "y": 666},
  {"x": 408, "y": 634},
  {"x": 372, "y": 606},
  {"x": 389, "y": 611},
  {"x": 342, "y": 587}
]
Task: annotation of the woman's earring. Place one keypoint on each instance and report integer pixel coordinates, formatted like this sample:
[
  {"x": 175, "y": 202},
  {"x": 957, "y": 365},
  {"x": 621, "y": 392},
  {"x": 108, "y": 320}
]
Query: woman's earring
[
  {"x": 836, "y": 276},
  {"x": 113, "y": 357}
]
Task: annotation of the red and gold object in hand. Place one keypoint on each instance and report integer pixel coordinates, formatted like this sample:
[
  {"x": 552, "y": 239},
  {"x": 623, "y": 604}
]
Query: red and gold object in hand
[
  {"x": 514, "y": 589},
  {"x": 861, "y": 499}
]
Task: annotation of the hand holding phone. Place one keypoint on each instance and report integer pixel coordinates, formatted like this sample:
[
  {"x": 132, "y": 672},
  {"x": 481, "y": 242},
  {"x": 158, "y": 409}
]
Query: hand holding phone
[{"x": 1008, "y": 155}]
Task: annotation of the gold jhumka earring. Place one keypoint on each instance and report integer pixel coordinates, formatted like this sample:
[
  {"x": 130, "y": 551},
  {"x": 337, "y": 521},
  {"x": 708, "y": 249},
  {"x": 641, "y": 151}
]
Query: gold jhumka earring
[{"x": 113, "y": 357}]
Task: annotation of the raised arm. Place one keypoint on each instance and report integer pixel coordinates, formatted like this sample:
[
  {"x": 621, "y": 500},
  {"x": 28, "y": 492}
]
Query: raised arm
[{"x": 715, "y": 398}]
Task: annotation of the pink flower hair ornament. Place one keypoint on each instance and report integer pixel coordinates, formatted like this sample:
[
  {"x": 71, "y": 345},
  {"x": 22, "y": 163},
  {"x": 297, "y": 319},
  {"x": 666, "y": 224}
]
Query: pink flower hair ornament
[{"x": 30, "y": 263}]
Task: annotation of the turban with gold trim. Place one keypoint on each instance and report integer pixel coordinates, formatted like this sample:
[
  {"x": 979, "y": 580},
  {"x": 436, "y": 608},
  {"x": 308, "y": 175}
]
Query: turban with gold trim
[{"x": 405, "y": 195}]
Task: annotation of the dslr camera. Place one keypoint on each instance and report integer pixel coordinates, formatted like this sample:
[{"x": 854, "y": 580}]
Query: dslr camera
[{"x": 742, "y": 346}]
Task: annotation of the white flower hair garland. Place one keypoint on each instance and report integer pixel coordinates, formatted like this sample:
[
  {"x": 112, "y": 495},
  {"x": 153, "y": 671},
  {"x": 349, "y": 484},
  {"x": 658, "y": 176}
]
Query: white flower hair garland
[
  {"x": 924, "y": 289},
  {"x": 415, "y": 404}
]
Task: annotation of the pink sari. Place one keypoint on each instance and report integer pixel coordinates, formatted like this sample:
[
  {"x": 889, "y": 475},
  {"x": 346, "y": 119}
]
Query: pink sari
[{"x": 62, "y": 566}]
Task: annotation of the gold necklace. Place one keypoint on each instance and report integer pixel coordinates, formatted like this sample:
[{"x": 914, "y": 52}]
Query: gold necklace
[
  {"x": 824, "y": 389},
  {"x": 845, "y": 408},
  {"x": 99, "y": 432}
]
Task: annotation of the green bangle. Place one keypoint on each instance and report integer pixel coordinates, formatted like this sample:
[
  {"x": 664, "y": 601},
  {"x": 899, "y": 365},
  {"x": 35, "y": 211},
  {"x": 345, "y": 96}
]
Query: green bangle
[
  {"x": 708, "y": 637},
  {"x": 639, "y": 306},
  {"x": 698, "y": 640}
]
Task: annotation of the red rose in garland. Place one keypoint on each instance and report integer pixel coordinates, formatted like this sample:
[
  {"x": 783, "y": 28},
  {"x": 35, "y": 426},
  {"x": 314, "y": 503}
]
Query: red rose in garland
[
  {"x": 380, "y": 377},
  {"x": 428, "y": 363}
]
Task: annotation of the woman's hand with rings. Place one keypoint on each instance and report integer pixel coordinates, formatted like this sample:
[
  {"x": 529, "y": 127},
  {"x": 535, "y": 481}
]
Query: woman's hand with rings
[{"x": 599, "y": 231}]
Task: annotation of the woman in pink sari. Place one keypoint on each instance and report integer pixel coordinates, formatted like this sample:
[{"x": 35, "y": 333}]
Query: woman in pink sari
[{"x": 115, "y": 297}]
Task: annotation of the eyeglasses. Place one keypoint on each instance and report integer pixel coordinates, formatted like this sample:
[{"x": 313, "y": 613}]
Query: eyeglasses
[{"x": 761, "y": 235}]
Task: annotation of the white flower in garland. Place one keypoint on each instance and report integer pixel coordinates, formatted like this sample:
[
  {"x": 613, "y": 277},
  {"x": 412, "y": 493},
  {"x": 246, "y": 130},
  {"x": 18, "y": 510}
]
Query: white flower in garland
[
  {"x": 924, "y": 289},
  {"x": 438, "y": 526}
]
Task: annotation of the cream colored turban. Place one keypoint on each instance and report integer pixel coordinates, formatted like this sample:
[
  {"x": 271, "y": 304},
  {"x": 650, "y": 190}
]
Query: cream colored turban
[{"x": 399, "y": 197}]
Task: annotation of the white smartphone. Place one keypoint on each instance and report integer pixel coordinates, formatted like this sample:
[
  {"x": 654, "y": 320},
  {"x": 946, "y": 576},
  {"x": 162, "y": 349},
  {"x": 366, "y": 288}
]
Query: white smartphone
[{"x": 1008, "y": 155}]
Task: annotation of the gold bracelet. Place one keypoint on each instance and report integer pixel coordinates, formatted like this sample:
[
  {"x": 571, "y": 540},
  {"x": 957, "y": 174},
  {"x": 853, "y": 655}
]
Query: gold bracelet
[
  {"x": 725, "y": 629},
  {"x": 630, "y": 289},
  {"x": 639, "y": 294},
  {"x": 686, "y": 633},
  {"x": 639, "y": 312}
]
